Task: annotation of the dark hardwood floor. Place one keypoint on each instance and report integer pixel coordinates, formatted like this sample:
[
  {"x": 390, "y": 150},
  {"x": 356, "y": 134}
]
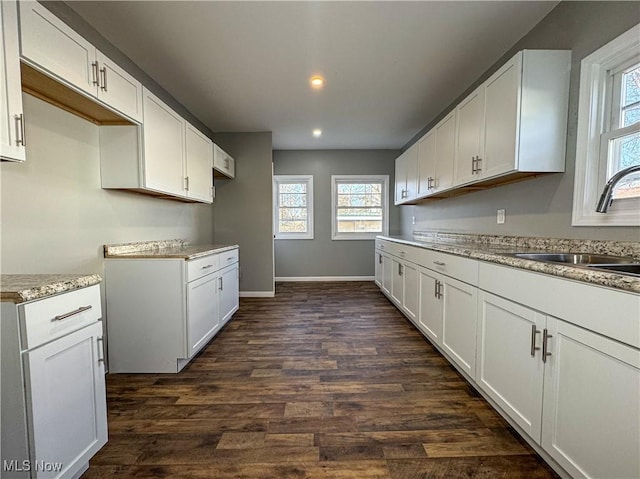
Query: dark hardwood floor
[{"x": 326, "y": 380}]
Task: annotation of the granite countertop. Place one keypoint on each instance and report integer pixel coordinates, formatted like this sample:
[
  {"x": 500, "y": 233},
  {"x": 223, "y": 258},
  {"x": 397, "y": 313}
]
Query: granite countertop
[
  {"x": 494, "y": 249},
  {"x": 19, "y": 288},
  {"x": 176, "y": 249}
]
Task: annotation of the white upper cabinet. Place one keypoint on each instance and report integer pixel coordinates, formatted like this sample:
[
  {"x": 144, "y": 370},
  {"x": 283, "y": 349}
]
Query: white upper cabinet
[
  {"x": 166, "y": 156},
  {"x": 118, "y": 89},
  {"x": 426, "y": 163},
  {"x": 223, "y": 163},
  {"x": 164, "y": 147},
  {"x": 469, "y": 136},
  {"x": 52, "y": 47},
  {"x": 199, "y": 163},
  {"x": 407, "y": 176},
  {"x": 445, "y": 152},
  {"x": 12, "y": 135}
]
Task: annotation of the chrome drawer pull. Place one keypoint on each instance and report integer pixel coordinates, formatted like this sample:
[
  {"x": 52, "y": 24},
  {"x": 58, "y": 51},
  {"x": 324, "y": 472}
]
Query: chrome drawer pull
[
  {"x": 207, "y": 266},
  {"x": 82, "y": 309},
  {"x": 534, "y": 331},
  {"x": 439, "y": 263},
  {"x": 100, "y": 341}
]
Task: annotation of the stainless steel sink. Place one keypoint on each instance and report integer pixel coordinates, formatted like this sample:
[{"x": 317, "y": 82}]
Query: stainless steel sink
[
  {"x": 576, "y": 258},
  {"x": 632, "y": 269}
]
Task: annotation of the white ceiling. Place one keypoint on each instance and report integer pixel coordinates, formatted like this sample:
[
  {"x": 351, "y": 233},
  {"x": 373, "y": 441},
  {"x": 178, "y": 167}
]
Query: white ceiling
[{"x": 390, "y": 67}]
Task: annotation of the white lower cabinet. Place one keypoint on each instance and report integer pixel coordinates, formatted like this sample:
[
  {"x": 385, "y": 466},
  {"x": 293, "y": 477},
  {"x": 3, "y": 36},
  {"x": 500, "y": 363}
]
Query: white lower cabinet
[
  {"x": 54, "y": 415},
  {"x": 459, "y": 318},
  {"x": 163, "y": 311},
  {"x": 591, "y": 418},
  {"x": 404, "y": 287},
  {"x": 510, "y": 369},
  {"x": 378, "y": 268},
  {"x": 386, "y": 273},
  {"x": 558, "y": 358}
]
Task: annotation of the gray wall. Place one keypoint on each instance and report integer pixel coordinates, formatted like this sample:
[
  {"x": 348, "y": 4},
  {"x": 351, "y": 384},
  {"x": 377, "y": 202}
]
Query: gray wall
[
  {"x": 542, "y": 206},
  {"x": 55, "y": 216},
  {"x": 242, "y": 207},
  {"x": 322, "y": 256}
]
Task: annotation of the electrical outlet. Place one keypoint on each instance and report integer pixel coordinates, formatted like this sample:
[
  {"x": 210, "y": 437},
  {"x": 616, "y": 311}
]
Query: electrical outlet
[
  {"x": 413, "y": 220},
  {"x": 501, "y": 217}
]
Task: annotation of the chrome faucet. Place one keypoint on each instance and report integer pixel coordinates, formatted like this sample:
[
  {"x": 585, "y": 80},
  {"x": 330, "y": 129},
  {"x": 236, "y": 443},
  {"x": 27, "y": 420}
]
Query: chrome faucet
[{"x": 605, "y": 199}]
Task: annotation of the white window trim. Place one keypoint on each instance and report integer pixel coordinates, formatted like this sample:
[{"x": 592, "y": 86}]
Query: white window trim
[
  {"x": 385, "y": 207},
  {"x": 592, "y": 121},
  {"x": 293, "y": 179}
]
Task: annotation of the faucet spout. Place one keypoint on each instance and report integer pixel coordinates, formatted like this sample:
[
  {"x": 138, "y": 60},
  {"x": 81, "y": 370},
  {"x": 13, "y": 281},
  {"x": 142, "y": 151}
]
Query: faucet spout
[{"x": 605, "y": 198}]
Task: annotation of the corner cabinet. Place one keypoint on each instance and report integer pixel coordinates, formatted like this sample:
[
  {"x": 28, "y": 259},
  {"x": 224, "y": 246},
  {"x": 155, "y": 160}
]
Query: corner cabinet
[
  {"x": 54, "y": 412},
  {"x": 406, "y": 189},
  {"x": 166, "y": 156},
  {"x": 163, "y": 311},
  {"x": 224, "y": 166},
  {"x": 12, "y": 127}
]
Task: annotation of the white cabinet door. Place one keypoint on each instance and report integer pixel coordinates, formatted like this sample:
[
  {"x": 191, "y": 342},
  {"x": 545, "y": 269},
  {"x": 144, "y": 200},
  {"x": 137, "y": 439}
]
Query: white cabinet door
[
  {"x": 12, "y": 135},
  {"x": 426, "y": 163},
  {"x": 228, "y": 292},
  {"x": 387, "y": 273},
  {"x": 510, "y": 368},
  {"x": 67, "y": 395},
  {"x": 410, "y": 298},
  {"x": 430, "y": 316},
  {"x": 164, "y": 147},
  {"x": 469, "y": 136},
  {"x": 397, "y": 281},
  {"x": 118, "y": 89},
  {"x": 501, "y": 119},
  {"x": 445, "y": 152},
  {"x": 223, "y": 163},
  {"x": 199, "y": 166},
  {"x": 53, "y": 47},
  {"x": 459, "y": 321},
  {"x": 591, "y": 418},
  {"x": 202, "y": 311},
  {"x": 412, "y": 172},
  {"x": 401, "y": 178},
  {"x": 378, "y": 268}
]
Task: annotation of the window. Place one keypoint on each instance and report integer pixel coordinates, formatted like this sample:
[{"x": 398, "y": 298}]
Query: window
[
  {"x": 359, "y": 207},
  {"x": 608, "y": 137},
  {"x": 293, "y": 203}
]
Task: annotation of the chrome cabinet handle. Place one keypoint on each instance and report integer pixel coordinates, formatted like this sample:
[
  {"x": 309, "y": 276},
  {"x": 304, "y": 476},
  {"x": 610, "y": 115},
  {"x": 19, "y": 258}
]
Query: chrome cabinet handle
[
  {"x": 220, "y": 287},
  {"x": 478, "y": 161},
  {"x": 534, "y": 331},
  {"x": 100, "y": 342},
  {"x": 207, "y": 266},
  {"x": 440, "y": 293},
  {"x": 379, "y": 258},
  {"x": 81, "y": 309},
  {"x": 399, "y": 269},
  {"x": 226, "y": 163},
  {"x": 439, "y": 263},
  {"x": 94, "y": 71},
  {"x": 186, "y": 183},
  {"x": 103, "y": 78},
  {"x": 473, "y": 165},
  {"x": 545, "y": 352},
  {"x": 435, "y": 288},
  {"x": 20, "y": 129}
]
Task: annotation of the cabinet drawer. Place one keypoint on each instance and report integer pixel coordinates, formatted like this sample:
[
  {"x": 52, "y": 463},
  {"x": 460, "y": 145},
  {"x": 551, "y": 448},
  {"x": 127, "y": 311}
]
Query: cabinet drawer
[
  {"x": 47, "y": 319},
  {"x": 458, "y": 267},
  {"x": 197, "y": 268},
  {"x": 228, "y": 257}
]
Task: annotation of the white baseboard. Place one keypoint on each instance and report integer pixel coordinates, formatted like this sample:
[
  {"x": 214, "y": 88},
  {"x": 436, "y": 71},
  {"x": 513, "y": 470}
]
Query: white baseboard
[
  {"x": 257, "y": 294},
  {"x": 289, "y": 279}
]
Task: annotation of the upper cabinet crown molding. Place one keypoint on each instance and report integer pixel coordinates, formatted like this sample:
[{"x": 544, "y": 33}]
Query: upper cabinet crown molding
[
  {"x": 12, "y": 128},
  {"x": 512, "y": 127},
  {"x": 51, "y": 50}
]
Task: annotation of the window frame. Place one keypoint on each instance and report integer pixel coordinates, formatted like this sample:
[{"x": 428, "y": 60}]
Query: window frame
[
  {"x": 596, "y": 128},
  {"x": 335, "y": 179},
  {"x": 284, "y": 179}
]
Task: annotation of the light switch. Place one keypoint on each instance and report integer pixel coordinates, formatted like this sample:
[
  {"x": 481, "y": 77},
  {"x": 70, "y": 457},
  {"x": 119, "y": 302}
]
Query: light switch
[{"x": 501, "y": 217}]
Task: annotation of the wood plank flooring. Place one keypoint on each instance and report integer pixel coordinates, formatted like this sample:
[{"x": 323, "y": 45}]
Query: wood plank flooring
[{"x": 326, "y": 380}]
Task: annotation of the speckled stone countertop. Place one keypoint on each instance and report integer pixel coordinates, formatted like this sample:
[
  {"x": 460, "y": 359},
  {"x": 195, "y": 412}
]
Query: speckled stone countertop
[
  {"x": 493, "y": 249},
  {"x": 176, "y": 248},
  {"x": 18, "y": 288}
]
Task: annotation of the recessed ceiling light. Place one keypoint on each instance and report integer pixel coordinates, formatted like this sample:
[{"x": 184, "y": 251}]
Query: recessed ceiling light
[
  {"x": 317, "y": 82},
  {"x": 317, "y": 133}
]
